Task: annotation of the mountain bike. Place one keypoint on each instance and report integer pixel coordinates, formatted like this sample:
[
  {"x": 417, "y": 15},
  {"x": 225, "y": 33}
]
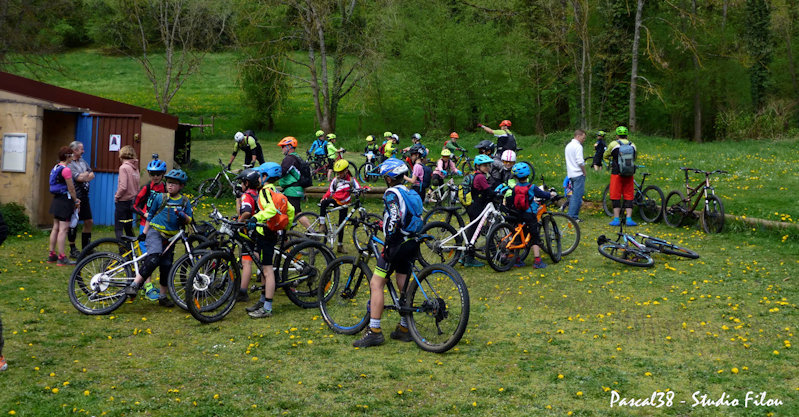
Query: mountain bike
[
  {"x": 568, "y": 227},
  {"x": 445, "y": 205},
  {"x": 649, "y": 200},
  {"x": 629, "y": 251},
  {"x": 435, "y": 300},
  {"x": 464, "y": 162},
  {"x": 214, "y": 281},
  {"x": 328, "y": 233},
  {"x": 368, "y": 171},
  {"x": 676, "y": 208},
  {"x": 213, "y": 187}
]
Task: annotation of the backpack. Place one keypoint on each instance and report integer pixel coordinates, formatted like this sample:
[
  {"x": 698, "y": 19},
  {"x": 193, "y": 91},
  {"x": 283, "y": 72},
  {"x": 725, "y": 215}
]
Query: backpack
[
  {"x": 319, "y": 148},
  {"x": 164, "y": 200},
  {"x": 427, "y": 177},
  {"x": 465, "y": 190},
  {"x": 279, "y": 221},
  {"x": 412, "y": 223},
  {"x": 506, "y": 142},
  {"x": 57, "y": 183},
  {"x": 626, "y": 159},
  {"x": 521, "y": 197},
  {"x": 305, "y": 179},
  {"x": 255, "y": 208},
  {"x": 139, "y": 208}
]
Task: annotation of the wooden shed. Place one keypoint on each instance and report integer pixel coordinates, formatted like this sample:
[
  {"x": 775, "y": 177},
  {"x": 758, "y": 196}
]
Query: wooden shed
[{"x": 36, "y": 119}]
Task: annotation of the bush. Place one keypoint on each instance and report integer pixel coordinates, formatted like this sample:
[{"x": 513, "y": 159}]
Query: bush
[
  {"x": 773, "y": 121},
  {"x": 16, "y": 219}
]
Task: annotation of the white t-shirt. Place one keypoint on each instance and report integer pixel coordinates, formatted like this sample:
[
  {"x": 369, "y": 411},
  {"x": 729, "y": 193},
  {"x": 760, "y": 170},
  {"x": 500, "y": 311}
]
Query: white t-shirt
[{"x": 574, "y": 159}]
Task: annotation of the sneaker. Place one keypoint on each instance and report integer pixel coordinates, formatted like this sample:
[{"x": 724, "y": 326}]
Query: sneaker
[
  {"x": 402, "y": 334},
  {"x": 577, "y": 219},
  {"x": 539, "y": 265},
  {"x": 242, "y": 296},
  {"x": 152, "y": 293},
  {"x": 3, "y": 363},
  {"x": 52, "y": 258},
  {"x": 341, "y": 249},
  {"x": 615, "y": 222},
  {"x": 370, "y": 338},
  {"x": 64, "y": 261},
  {"x": 132, "y": 291},
  {"x": 260, "y": 313},
  {"x": 471, "y": 262},
  {"x": 519, "y": 263},
  {"x": 630, "y": 222},
  {"x": 74, "y": 253},
  {"x": 165, "y": 302},
  {"x": 257, "y": 306}
]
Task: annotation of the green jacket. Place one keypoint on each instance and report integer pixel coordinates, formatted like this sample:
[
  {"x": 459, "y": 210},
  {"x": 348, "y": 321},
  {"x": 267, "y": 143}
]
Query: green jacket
[{"x": 291, "y": 174}]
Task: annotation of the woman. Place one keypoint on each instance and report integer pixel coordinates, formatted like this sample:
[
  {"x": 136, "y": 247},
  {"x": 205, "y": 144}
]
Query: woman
[
  {"x": 127, "y": 188},
  {"x": 65, "y": 203}
]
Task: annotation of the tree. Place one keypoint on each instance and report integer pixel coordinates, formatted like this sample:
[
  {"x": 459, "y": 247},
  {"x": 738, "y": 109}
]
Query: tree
[
  {"x": 757, "y": 34},
  {"x": 185, "y": 30},
  {"x": 28, "y": 32},
  {"x": 634, "y": 71}
]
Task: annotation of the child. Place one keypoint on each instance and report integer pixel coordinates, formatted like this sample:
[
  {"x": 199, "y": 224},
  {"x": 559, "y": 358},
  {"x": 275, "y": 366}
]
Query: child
[
  {"x": 127, "y": 183},
  {"x": 331, "y": 150},
  {"x": 452, "y": 143},
  {"x": 599, "y": 150},
  {"x": 339, "y": 193},
  {"x": 266, "y": 238},
  {"x": 251, "y": 181},
  {"x": 156, "y": 169},
  {"x": 445, "y": 166},
  {"x": 166, "y": 214},
  {"x": 371, "y": 146},
  {"x": 522, "y": 200},
  {"x": 417, "y": 153}
]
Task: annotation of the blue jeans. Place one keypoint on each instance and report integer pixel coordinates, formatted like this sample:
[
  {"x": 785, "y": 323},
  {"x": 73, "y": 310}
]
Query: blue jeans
[{"x": 576, "y": 201}]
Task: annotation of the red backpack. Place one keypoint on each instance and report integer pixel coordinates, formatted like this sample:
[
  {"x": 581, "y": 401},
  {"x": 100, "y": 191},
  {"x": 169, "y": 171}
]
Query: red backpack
[{"x": 521, "y": 197}]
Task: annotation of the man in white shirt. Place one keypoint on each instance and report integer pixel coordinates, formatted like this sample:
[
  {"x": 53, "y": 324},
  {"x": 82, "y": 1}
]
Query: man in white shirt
[{"x": 575, "y": 170}]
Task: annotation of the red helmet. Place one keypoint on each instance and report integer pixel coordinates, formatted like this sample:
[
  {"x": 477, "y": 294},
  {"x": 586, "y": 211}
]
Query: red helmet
[
  {"x": 504, "y": 123},
  {"x": 288, "y": 140},
  {"x": 454, "y": 135}
]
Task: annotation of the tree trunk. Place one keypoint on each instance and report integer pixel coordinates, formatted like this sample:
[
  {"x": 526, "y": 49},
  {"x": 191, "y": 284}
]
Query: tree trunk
[
  {"x": 634, "y": 71},
  {"x": 791, "y": 66},
  {"x": 697, "y": 95}
]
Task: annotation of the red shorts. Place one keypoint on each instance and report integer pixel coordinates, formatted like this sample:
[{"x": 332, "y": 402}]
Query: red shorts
[{"x": 622, "y": 186}]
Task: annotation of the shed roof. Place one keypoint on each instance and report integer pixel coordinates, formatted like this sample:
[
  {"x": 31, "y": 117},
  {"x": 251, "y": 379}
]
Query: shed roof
[{"x": 48, "y": 92}]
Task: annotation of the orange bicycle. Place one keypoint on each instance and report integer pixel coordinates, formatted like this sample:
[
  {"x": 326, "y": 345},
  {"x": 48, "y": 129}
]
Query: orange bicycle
[{"x": 506, "y": 243}]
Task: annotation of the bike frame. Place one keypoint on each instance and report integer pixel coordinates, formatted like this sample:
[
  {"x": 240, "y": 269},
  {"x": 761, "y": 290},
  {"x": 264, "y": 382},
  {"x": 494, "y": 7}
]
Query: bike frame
[
  {"x": 480, "y": 221},
  {"x": 704, "y": 185}
]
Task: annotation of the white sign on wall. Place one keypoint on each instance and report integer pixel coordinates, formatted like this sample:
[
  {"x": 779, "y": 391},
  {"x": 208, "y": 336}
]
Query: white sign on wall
[
  {"x": 114, "y": 143},
  {"x": 15, "y": 151}
]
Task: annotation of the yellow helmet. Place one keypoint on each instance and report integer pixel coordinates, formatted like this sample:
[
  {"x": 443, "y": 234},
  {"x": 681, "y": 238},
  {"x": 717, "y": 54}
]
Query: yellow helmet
[
  {"x": 341, "y": 165},
  {"x": 331, "y": 136},
  {"x": 386, "y": 134},
  {"x": 370, "y": 138},
  {"x": 446, "y": 152}
]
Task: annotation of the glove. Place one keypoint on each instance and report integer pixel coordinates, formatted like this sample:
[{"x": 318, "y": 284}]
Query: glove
[
  {"x": 251, "y": 222},
  {"x": 444, "y": 173},
  {"x": 228, "y": 167},
  {"x": 141, "y": 237},
  {"x": 479, "y": 125},
  {"x": 180, "y": 213},
  {"x": 459, "y": 172}
]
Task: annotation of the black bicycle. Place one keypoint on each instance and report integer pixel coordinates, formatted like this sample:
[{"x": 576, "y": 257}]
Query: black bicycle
[
  {"x": 649, "y": 199},
  {"x": 628, "y": 250},
  {"x": 677, "y": 209}
]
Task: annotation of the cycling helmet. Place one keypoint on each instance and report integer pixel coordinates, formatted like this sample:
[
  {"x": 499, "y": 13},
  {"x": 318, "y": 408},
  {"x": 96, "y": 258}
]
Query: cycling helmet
[
  {"x": 250, "y": 176},
  {"x": 156, "y": 165},
  {"x": 454, "y": 135},
  {"x": 621, "y": 131},
  {"x": 601, "y": 133},
  {"x": 370, "y": 138},
  {"x": 446, "y": 152},
  {"x": 504, "y": 123},
  {"x": 331, "y": 136},
  {"x": 386, "y": 134},
  {"x": 177, "y": 175},
  {"x": 271, "y": 170},
  {"x": 288, "y": 140},
  {"x": 320, "y": 133},
  {"x": 417, "y": 148},
  {"x": 482, "y": 159},
  {"x": 395, "y": 137},
  {"x": 392, "y": 168},
  {"x": 521, "y": 170},
  {"x": 238, "y": 137},
  {"x": 417, "y": 136},
  {"x": 508, "y": 155},
  {"x": 485, "y": 144},
  {"x": 341, "y": 165}
]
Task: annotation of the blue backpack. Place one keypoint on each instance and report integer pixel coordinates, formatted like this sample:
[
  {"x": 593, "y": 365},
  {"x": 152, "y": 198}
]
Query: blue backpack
[
  {"x": 57, "y": 183},
  {"x": 318, "y": 147},
  {"x": 412, "y": 223}
]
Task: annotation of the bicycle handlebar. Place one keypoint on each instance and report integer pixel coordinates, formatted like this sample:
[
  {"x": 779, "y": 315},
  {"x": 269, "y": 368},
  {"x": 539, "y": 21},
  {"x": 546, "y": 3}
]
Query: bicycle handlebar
[{"x": 699, "y": 171}]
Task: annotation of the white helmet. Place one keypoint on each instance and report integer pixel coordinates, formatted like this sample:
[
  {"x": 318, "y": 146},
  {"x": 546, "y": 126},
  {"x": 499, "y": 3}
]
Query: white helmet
[
  {"x": 238, "y": 137},
  {"x": 508, "y": 155}
]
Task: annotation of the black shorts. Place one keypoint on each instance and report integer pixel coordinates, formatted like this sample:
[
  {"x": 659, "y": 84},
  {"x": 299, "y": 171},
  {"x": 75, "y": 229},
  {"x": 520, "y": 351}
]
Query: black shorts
[
  {"x": 85, "y": 212},
  {"x": 295, "y": 202},
  {"x": 62, "y": 207},
  {"x": 265, "y": 245},
  {"x": 398, "y": 258}
]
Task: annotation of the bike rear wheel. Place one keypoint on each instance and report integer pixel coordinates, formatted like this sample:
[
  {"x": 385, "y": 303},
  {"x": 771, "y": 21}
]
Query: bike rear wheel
[
  {"x": 212, "y": 286},
  {"x": 498, "y": 256},
  {"x": 97, "y": 284},
  {"x": 210, "y": 188},
  {"x": 106, "y": 244},
  {"x": 344, "y": 295},
  {"x": 179, "y": 274},
  {"x": 551, "y": 238},
  {"x": 650, "y": 205},
  {"x": 446, "y": 215},
  {"x": 675, "y": 209},
  {"x": 713, "y": 215},
  {"x": 670, "y": 249},
  {"x": 626, "y": 254},
  {"x": 440, "y": 302},
  {"x": 367, "y": 173},
  {"x": 433, "y": 250},
  {"x": 607, "y": 206},
  {"x": 569, "y": 231},
  {"x": 302, "y": 268},
  {"x": 314, "y": 231}
]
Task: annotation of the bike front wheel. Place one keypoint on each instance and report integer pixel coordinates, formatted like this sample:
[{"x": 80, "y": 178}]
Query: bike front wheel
[
  {"x": 442, "y": 248},
  {"x": 367, "y": 173},
  {"x": 675, "y": 209},
  {"x": 626, "y": 254},
  {"x": 344, "y": 295},
  {"x": 607, "y": 206},
  {"x": 212, "y": 286},
  {"x": 439, "y": 302},
  {"x": 106, "y": 244},
  {"x": 447, "y": 215},
  {"x": 713, "y": 215},
  {"x": 97, "y": 284},
  {"x": 569, "y": 231},
  {"x": 551, "y": 238},
  {"x": 670, "y": 249},
  {"x": 179, "y": 276},
  {"x": 363, "y": 229},
  {"x": 650, "y": 205},
  {"x": 302, "y": 268},
  {"x": 498, "y": 256},
  {"x": 210, "y": 188}
]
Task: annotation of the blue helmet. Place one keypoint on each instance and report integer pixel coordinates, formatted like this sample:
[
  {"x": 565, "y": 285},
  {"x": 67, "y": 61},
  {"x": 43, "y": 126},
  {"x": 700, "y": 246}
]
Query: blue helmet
[
  {"x": 392, "y": 168},
  {"x": 156, "y": 165},
  {"x": 482, "y": 159},
  {"x": 521, "y": 170},
  {"x": 271, "y": 170},
  {"x": 177, "y": 175}
]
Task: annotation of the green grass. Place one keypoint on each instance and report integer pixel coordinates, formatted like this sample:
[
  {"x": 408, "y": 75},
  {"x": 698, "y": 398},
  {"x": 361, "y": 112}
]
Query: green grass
[{"x": 682, "y": 325}]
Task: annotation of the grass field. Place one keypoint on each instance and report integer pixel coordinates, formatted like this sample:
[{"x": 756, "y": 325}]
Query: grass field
[{"x": 552, "y": 342}]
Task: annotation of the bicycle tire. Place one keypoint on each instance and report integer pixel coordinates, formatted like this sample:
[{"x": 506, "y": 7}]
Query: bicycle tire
[
  {"x": 309, "y": 260},
  {"x": 670, "y": 248},
  {"x": 210, "y": 188},
  {"x": 93, "y": 293},
  {"x": 650, "y": 204},
  {"x": 675, "y": 209},
  {"x": 344, "y": 295},
  {"x": 180, "y": 271},
  {"x": 362, "y": 231},
  {"x": 440, "y": 301},
  {"x": 570, "y": 233},
  {"x": 106, "y": 244},
  {"x": 713, "y": 215},
  {"x": 367, "y": 174},
  {"x": 552, "y": 238},
  {"x": 212, "y": 286},
  {"x": 498, "y": 256},
  {"x": 607, "y": 206},
  {"x": 628, "y": 255},
  {"x": 431, "y": 252},
  {"x": 446, "y": 215},
  {"x": 311, "y": 232}
]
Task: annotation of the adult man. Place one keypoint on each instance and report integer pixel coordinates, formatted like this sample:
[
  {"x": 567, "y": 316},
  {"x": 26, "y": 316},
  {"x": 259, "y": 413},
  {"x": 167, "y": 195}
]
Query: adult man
[
  {"x": 82, "y": 174},
  {"x": 505, "y": 139},
  {"x": 621, "y": 183},
  {"x": 249, "y": 144},
  {"x": 575, "y": 170}
]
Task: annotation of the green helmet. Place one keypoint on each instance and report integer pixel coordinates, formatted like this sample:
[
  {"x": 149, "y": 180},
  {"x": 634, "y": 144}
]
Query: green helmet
[
  {"x": 601, "y": 133},
  {"x": 621, "y": 131},
  {"x": 320, "y": 133},
  {"x": 386, "y": 134}
]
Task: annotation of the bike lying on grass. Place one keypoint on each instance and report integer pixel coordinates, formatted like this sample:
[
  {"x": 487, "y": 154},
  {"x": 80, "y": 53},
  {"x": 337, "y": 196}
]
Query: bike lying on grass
[{"x": 629, "y": 251}]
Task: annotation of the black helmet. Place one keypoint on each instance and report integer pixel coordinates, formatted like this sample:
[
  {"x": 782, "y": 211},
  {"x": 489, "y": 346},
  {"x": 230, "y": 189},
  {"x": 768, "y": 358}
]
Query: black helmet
[
  {"x": 417, "y": 148},
  {"x": 485, "y": 144},
  {"x": 250, "y": 176}
]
